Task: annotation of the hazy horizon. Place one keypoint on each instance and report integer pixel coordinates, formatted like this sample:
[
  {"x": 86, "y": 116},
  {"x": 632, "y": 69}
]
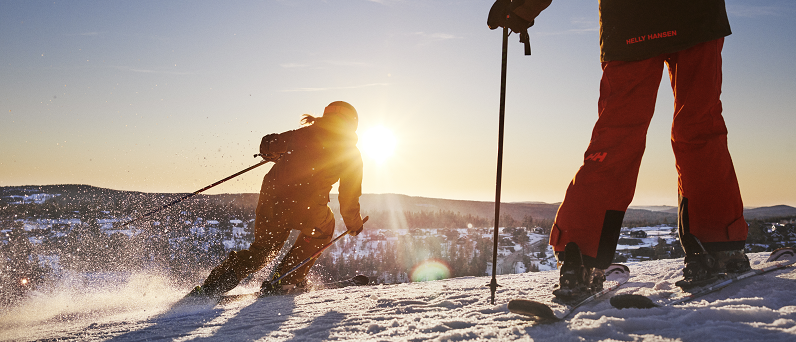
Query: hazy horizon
[{"x": 632, "y": 206}]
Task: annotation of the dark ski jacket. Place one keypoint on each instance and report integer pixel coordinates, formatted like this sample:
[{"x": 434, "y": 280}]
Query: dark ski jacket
[
  {"x": 633, "y": 30},
  {"x": 313, "y": 158}
]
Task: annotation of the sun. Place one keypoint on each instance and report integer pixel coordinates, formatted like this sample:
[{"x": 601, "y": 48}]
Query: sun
[{"x": 377, "y": 143}]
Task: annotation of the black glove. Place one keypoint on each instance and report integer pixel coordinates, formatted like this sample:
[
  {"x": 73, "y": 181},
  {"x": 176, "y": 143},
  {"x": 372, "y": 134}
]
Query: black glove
[
  {"x": 270, "y": 157},
  {"x": 501, "y": 15}
]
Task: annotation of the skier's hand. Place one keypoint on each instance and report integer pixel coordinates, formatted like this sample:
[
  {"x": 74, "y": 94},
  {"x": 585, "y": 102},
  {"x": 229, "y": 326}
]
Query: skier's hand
[
  {"x": 355, "y": 232},
  {"x": 269, "y": 157},
  {"x": 502, "y": 15},
  {"x": 272, "y": 147}
]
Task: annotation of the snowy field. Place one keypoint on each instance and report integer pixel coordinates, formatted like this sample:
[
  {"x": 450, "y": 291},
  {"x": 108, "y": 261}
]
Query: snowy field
[
  {"x": 669, "y": 234},
  {"x": 137, "y": 309}
]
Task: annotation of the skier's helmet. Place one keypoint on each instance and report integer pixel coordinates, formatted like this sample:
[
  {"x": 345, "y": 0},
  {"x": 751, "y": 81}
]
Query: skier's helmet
[{"x": 342, "y": 110}]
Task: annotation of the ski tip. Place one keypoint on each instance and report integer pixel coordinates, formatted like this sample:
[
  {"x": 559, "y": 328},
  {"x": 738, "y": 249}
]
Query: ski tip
[
  {"x": 618, "y": 267},
  {"x": 632, "y": 301},
  {"x": 617, "y": 272},
  {"x": 782, "y": 254},
  {"x": 534, "y": 310}
]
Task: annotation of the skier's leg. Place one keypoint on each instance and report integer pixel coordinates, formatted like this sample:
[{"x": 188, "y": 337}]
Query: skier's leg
[
  {"x": 711, "y": 223},
  {"x": 597, "y": 198},
  {"x": 306, "y": 244},
  {"x": 270, "y": 234},
  {"x": 711, "y": 209}
]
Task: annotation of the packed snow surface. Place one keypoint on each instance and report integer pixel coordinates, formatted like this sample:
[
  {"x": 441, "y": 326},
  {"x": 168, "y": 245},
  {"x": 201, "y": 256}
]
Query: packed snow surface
[{"x": 138, "y": 308}]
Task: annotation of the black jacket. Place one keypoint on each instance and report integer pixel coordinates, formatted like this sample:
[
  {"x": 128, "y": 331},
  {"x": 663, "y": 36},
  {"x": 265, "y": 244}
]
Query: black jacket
[
  {"x": 633, "y": 30},
  {"x": 313, "y": 158}
]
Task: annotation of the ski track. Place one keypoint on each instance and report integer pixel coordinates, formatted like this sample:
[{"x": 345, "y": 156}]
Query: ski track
[{"x": 456, "y": 309}]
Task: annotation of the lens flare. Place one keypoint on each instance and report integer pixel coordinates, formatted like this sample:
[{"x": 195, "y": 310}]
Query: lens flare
[{"x": 432, "y": 269}]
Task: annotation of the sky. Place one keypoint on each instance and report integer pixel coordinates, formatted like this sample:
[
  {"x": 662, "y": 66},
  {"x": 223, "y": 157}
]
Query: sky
[{"x": 172, "y": 96}]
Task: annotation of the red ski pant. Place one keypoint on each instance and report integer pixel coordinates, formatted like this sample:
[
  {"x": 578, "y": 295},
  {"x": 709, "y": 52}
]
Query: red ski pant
[{"x": 710, "y": 201}]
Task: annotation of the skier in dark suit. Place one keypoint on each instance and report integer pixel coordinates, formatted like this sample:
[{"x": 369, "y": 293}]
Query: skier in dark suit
[{"x": 295, "y": 196}]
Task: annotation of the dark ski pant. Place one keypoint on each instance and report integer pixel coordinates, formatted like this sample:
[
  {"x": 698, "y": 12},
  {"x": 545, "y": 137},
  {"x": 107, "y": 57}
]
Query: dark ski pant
[
  {"x": 271, "y": 231},
  {"x": 710, "y": 201}
]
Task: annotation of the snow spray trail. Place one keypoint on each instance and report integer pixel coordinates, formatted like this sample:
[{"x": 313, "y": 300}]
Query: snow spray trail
[{"x": 80, "y": 297}]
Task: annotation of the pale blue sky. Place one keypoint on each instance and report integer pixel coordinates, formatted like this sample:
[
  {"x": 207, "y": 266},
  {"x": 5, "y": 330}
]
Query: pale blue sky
[{"x": 170, "y": 96}]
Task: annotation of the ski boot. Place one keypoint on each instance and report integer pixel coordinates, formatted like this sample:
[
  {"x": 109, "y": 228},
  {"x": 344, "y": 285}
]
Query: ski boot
[
  {"x": 209, "y": 292},
  {"x": 215, "y": 287},
  {"x": 703, "y": 268},
  {"x": 270, "y": 290},
  {"x": 576, "y": 281},
  {"x": 700, "y": 269},
  {"x": 278, "y": 289},
  {"x": 197, "y": 291},
  {"x": 733, "y": 262},
  {"x": 221, "y": 279}
]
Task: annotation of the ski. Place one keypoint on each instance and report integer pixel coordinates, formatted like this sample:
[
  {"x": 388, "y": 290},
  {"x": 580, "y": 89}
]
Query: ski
[
  {"x": 617, "y": 274},
  {"x": 357, "y": 280},
  {"x": 192, "y": 300},
  {"x": 779, "y": 259}
]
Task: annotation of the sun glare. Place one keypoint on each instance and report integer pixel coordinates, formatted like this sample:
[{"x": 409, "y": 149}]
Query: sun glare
[
  {"x": 377, "y": 143},
  {"x": 429, "y": 270}
]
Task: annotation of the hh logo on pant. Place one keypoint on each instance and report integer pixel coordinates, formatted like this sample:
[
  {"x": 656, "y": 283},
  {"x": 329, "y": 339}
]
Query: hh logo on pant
[{"x": 598, "y": 156}]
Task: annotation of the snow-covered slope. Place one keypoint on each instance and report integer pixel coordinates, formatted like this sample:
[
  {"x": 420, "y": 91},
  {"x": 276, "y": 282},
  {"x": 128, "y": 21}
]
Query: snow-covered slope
[{"x": 456, "y": 309}]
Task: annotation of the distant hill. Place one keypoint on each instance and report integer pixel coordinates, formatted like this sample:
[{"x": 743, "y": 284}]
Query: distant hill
[
  {"x": 396, "y": 202},
  {"x": 127, "y": 201},
  {"x": 759, "y": 213},
  {"x": 518, "y": 210},
  {"x": 661, "y": 208},
  {"x": 769, "y": 212}
]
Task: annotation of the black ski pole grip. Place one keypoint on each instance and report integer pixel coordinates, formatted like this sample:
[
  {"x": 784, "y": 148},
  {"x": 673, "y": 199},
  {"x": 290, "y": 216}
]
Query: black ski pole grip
[{"x": 526, "y": 39}]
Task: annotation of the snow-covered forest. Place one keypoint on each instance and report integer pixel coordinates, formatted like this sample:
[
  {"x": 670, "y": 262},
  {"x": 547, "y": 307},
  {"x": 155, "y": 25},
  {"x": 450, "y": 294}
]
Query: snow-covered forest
[
  {"x": 71, "y": 269},
  {"x": 43, "y": 238},
  {"x": 45, "y": 235}
]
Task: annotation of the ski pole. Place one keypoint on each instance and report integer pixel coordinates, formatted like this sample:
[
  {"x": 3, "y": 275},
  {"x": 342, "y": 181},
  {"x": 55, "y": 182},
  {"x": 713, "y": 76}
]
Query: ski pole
[
  {"x": 196, "y": 192},
  {"x": 315, "y": 255},
  {"x": 493, "y": 285}
]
